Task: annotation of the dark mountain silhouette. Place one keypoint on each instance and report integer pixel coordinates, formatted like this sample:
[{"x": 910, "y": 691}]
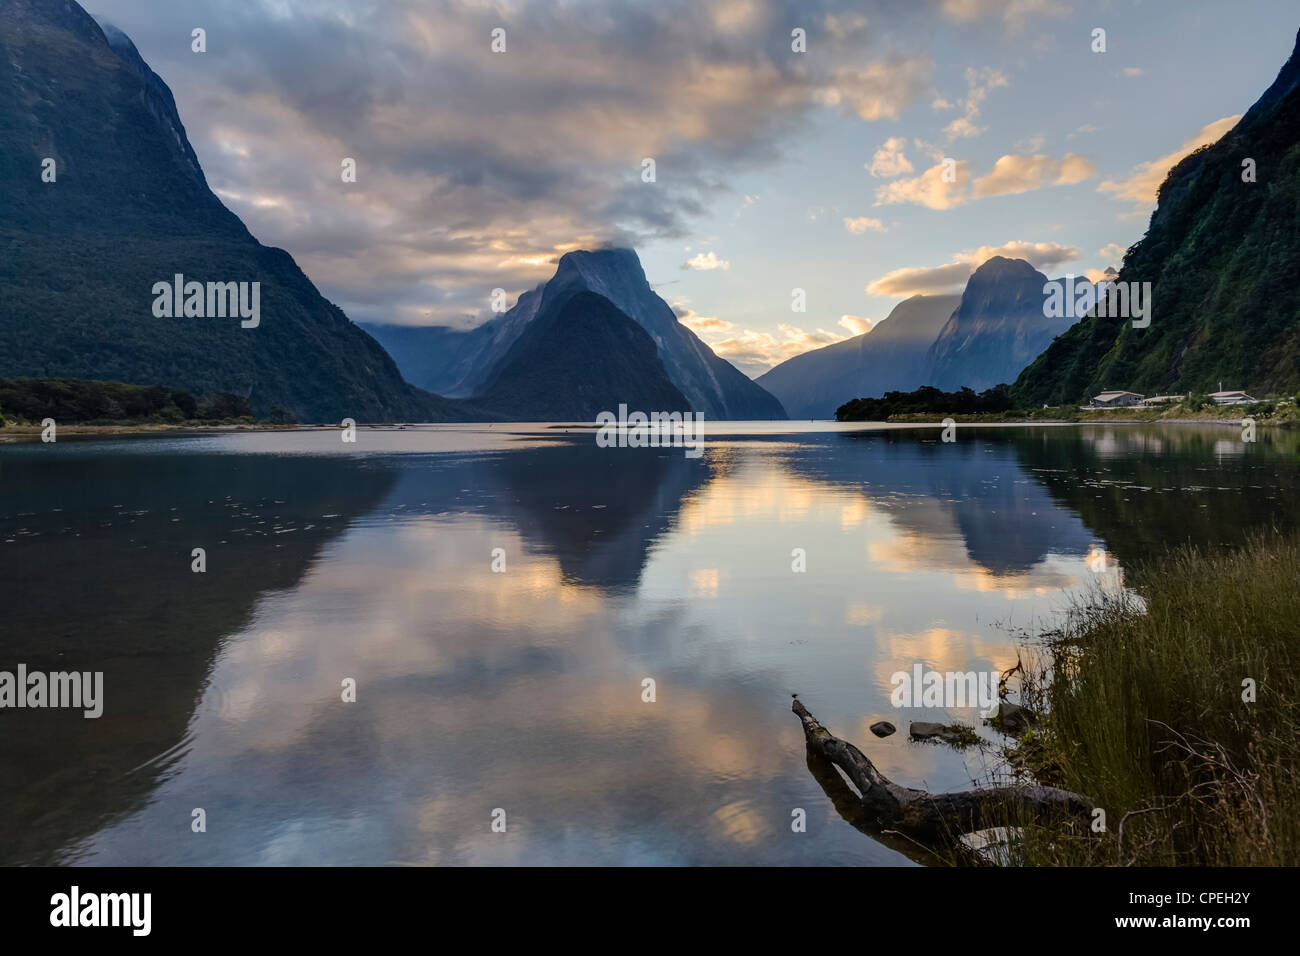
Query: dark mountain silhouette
[
  {"x": 468, "y": 362},
  {"x": 129, "y": 208},
  {"x": 581, "y": 357},
  {"x": 996, "y": 330},
  {"x": 890, "y": 357},
  {"x": 1223, "y": 258}
]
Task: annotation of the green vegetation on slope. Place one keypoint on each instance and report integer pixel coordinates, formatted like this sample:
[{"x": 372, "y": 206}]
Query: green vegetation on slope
[
  {"x": 128, "y": 208},
  {"x": 1223, "y": 258}
]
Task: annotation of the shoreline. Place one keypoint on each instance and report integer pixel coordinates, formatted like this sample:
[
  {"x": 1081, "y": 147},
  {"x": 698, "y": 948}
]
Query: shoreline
[{"x": 12, "y": 432}]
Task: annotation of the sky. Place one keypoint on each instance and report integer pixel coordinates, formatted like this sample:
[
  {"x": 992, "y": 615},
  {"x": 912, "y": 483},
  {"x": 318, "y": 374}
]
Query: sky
[{"x": 775, "y": 169}]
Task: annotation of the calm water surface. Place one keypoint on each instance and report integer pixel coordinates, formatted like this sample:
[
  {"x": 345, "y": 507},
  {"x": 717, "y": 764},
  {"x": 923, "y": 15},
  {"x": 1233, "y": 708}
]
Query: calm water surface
[{"x": 522, "y": 690}]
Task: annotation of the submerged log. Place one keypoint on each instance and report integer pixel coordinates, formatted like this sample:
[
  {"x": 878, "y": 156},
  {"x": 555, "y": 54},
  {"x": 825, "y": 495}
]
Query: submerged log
[{"x": 936, "y": 817}]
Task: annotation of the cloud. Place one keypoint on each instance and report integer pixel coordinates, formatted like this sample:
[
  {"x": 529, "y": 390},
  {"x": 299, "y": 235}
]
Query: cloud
[
  {"x": 1132, "y": 71},
  {"x": 706, "y": 262},
  {"x": 756, "y": 352},
  {"x": 1043, "y": 256},
  {"x": 1013, "y": 174},
  {"x": 951, "y": 277},
  {"x": 478, "y": 170},
  {"x": 703, "y": 324},
  {"x": 1144, "y": 180},
  {"x": 889, "y": 160},
  {"x": 978, "y": 85},
  {"x": 856, "y": 324},
  {"x": 930, "y": 189},
  {"x": 1112, "y": 250},
  {"x": 879, "y": 90},
  {"x": 862, "y": 224},
  {"x": 1015, "y": 14},
  {"x": 921, "y": 280}
]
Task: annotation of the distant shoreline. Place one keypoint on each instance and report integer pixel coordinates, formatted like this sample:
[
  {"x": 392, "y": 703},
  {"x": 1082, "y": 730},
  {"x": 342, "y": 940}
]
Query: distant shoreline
[
  {"x": 13, "y": 432},
  {"x": 996, "y": 420}
]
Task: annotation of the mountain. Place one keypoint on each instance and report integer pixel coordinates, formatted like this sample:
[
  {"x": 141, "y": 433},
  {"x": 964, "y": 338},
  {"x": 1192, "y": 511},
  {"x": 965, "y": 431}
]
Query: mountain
[
  {"x": 130, "y": 207},
  {"x": 469, "y": 361},
  {"x": 890, "y": 357},
  {"x": 583, "y": 357},
  {"x": 997, "y": 329},
  {"x": 1223, "y": 259}
]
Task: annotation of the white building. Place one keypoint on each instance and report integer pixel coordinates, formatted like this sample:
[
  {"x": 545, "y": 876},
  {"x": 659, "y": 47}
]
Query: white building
[
  {"x": 1231, "y": 398},
  {"x": 1116, "y": 399}
]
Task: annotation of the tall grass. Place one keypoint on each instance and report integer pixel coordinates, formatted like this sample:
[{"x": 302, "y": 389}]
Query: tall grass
[{"x": 1144, "y": 713}]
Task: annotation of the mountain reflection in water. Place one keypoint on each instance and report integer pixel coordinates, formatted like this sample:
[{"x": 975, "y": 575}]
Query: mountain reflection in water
[{"x": 523, "y": 690}]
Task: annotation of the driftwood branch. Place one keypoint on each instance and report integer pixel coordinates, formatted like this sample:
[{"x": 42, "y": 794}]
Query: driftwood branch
[{"x": 929, "y": 816}]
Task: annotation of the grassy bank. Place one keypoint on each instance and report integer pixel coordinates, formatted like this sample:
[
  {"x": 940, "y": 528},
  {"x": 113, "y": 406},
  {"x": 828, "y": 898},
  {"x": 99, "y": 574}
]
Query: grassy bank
[
  {"x": 929, "y": 405},
  {"x": 1284, "y": 412},
  {"x": 1144, "y": 712}
]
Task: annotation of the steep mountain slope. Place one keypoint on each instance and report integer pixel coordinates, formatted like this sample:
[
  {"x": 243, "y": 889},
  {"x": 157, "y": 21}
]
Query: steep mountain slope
[
  {"x": 582, "y": 358},
  {"x": 472, "y": 360},
  {"x": 891, "y": 357},
  {"x": 996, "y": 331},
  {"x": 129, "y": 208},
  {"x": 1223, "y": 257}
]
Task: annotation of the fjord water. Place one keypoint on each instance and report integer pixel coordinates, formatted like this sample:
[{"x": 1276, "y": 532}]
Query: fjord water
[{"x": 522, "y": 690}]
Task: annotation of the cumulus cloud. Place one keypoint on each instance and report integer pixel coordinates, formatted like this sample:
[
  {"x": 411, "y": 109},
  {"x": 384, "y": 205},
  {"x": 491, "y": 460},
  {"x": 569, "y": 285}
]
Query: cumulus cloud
[
  {"x": 856, "y": 324},
  {"x": 861, "y": 224},
  {"x": 1010, "y": 175},
  {"x": 1013, "y": 174},
  {"x": 921, "y": 280},
  {"x": 703, "y": 325},
  {"x": 879, "y": 90},
  {"x": 931, "y": 189},
  {"x": 1112, "y": 250},
  {"x": 1043, "y": 256},
  {"x": 951, "y": 277},
  {"x": 889, "y": 160},
  {"x": 756, "y": 352},
  {"x": 706, "y": 262},
  {"x": 478, "y": 170},
  {"x": 1143, "y": 181}
]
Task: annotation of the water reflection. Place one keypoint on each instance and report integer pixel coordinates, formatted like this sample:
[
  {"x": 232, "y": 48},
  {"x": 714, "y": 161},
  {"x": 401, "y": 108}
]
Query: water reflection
[{"x": 523, "y": 690}]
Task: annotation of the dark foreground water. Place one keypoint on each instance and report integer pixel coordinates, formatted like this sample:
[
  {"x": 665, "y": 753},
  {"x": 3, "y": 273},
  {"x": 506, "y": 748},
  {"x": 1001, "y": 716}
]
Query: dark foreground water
[{"x": 521, "y": 690}]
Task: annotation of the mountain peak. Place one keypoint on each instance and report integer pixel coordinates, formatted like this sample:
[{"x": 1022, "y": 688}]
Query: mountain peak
[
  {"x": 597, "y": 268},
  {"x": 1001, "y": 267},
  {"x": 620, "y": 255},
  {"x": 1288, "y": 80}
]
